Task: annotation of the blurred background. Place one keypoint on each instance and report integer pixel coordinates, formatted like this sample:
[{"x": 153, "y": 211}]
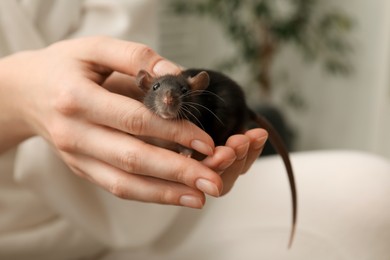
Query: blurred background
[{"x": 322, "y": 66}]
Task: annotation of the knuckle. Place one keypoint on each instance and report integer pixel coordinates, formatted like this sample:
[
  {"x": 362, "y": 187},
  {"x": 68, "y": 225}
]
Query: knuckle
[
  {"x": 118, "y": 189},
  {"x": 135, "y": 123},
  {"x": 181, "y": 175},
  {"x": 130, "y": 161},
  {"x": 139, "y": 53},
  {"x": 166, "y": 196},
  {"x": 67, "y": 103}
]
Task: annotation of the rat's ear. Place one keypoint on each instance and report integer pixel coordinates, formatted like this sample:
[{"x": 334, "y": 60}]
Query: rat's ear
[
  {"x": 144, "y": 80},
  {"x": 200, "y": 81}
]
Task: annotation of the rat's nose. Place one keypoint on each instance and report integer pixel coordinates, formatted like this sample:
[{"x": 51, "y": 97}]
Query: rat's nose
[{"x": 168, "y": 100}]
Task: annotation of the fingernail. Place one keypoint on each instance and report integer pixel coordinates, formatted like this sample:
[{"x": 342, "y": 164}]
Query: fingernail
[
  {"x": 260, "y": 143},
  {"x": 242, "y": 151},
  {"x": 207, "y": 187},
  {"x": 163, "y": 67},
  {"x": 202, "y": 147},
  {"x": 191, "y": 202}
]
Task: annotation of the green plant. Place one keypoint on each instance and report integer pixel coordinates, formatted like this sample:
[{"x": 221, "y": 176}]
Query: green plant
[{"x": 261, "y": 28}]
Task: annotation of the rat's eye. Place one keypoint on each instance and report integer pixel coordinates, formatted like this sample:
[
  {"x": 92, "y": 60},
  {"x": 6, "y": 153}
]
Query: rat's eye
[
  {"x": 184, "y": 90},
  {"x": 156, "y": 86}
]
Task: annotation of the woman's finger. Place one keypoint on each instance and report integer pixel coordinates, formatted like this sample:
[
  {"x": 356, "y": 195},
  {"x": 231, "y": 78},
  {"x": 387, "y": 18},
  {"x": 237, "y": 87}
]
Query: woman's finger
[
  {"x": 240, "y": 145},
  {"x": 132, "y": 186},
  {"x": 229, "y": 160},
  {"x": 257, "y": 137},
  {"x": 132, "y": 155},
  {"x": 222, "y": 158},
  {"x": 125, "y": 57}
]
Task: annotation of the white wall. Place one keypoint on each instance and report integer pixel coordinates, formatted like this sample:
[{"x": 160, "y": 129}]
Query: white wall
[
  {"x": 353, "y": 112},
  {"x": 342, "y": 113}
]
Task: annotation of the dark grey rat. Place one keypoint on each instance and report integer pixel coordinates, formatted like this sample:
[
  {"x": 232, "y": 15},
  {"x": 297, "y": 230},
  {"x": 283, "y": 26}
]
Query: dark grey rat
[{"x": 216, "y": 104}]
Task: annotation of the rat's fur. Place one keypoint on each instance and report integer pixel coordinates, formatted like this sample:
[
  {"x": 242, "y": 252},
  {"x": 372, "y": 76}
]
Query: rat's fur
[{"x": 216, "y": 104}]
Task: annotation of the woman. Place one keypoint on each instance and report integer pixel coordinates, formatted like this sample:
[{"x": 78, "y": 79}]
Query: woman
[
  {"x": 73, "y": 107},
  {"x": 61, "y": 118}
]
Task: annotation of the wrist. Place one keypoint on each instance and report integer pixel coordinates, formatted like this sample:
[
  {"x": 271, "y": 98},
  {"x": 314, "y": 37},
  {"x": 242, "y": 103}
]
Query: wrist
[
  {"x": 12, "y": 133},
  {"x": 13, "y": 126}
]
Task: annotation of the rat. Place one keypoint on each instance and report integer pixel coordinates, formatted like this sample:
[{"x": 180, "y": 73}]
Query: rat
[{"x": 215, "y": 103}]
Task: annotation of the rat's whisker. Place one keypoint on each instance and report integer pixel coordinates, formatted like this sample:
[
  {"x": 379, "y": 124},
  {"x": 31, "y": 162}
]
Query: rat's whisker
[
  {"x": 213, "y": 94},
  {"x": 205, "y": 92},
  {"x": 183, "y": 116},
  {"x": 209, "y": 110},
  {"x": 185, "y": 109},
  {"x": 187, "y": 94},
  {"x": 192, "y": 93},
  {"x": 192, "y": 106}
]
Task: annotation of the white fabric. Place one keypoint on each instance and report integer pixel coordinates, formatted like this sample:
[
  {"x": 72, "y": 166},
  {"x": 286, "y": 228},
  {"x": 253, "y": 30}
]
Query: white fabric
[
  {"x": 344, "y": 200},
  {"x": 27, "y": 24},
  {"x": 115, "y": 222}
]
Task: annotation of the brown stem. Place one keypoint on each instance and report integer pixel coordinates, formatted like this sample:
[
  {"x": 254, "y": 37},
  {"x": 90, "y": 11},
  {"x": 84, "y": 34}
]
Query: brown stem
[{"x": 267, "y": 53}]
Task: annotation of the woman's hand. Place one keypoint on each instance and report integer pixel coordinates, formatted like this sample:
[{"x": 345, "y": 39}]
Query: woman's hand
[
  {"x": 72, "y": 94},
  {"x": 237, "y": 156},
  {"x": 57, "y": 93}
]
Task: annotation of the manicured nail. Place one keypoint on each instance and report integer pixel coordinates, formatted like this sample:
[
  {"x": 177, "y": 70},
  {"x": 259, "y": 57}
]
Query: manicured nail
[
  {"x": 259, "y": 143},
  {"x": 191, "y": 202},
  {"x": 202, "y": 147},
  {"x": 163, "y": 67},
  {"x": 207, "y": 187}
]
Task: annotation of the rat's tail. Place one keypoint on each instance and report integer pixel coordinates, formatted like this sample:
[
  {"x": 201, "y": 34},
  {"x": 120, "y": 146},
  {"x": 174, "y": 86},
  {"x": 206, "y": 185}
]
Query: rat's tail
[{"x": 281, "y": 149}]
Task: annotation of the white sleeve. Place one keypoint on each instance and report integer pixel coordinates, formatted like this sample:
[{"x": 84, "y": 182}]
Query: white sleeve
[
  {"x": 134, "y": 20},
  {"x": 35, "y": 24}
]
